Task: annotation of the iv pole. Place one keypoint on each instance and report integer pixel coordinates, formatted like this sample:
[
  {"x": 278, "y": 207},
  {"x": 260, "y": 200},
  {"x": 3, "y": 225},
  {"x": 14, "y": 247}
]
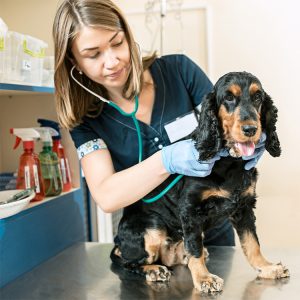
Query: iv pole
[{"x": 163, "y": 12}]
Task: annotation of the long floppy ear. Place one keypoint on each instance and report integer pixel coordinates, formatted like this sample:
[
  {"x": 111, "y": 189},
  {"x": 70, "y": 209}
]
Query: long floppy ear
[
  {"x": 268, "y": 120},
  {"x": 207, "y": 136}
]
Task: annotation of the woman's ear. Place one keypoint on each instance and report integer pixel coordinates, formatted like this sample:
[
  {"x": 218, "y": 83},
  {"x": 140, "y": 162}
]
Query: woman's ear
[
  {"x": 268, "y": 120},
  {"x": 207, "y": 136}
]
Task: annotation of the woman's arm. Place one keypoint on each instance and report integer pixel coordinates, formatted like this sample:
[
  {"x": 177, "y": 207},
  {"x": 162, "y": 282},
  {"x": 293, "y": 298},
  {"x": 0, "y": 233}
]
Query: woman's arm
[{"x": 112, "y": 190}]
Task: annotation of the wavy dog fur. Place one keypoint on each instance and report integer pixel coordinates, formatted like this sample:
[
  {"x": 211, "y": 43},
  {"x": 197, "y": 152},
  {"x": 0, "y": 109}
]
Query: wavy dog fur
[{"x": 153, "y": 237}]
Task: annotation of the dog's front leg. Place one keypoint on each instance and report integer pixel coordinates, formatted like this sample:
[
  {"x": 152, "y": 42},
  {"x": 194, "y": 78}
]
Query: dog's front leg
[
  {"x": 203, "y": 280},
  {"x": 244, "y": 223}
]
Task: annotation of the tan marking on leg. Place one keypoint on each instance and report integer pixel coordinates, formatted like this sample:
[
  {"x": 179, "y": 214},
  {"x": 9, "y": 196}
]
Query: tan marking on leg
[
  {"x": 172, "y": 254},
  {"x": 265, "y": 269},
  {"x": 215, "y": 192},
  {"x": 252, "y": 251},
  {"x": 154, "y": 239},
  {"x": 203, "y": 280}
]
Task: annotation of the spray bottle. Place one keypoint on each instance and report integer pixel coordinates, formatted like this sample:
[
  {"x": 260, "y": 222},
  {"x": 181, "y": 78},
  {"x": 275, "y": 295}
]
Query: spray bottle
[
  {"x": 59, "y": 150},
  {"x": 29, "y": 171},
  {"x": 49, "y": 163}
]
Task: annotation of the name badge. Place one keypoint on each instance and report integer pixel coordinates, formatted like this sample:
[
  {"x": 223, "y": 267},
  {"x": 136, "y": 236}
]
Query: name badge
[{"x": 181, "y": 127}]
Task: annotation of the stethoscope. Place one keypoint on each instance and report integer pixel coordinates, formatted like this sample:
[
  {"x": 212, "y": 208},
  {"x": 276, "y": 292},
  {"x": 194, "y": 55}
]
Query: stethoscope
[{"x": 138, "y": 130}]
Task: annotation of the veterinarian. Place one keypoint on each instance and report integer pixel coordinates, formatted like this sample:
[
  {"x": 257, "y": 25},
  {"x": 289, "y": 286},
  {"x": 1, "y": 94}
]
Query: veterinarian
[{"x": 96, "y": 61}]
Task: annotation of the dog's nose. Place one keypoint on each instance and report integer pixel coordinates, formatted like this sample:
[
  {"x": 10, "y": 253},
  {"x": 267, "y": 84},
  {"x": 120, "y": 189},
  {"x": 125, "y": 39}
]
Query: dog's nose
[{"x": 249, "y": 130}]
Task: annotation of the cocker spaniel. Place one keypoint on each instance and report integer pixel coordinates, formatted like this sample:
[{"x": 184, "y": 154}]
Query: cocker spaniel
[{"x": 168, "y": 232}]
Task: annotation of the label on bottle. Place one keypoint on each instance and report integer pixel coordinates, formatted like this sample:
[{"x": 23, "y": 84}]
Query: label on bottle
[
  {"x": 68, "y": 170},
  {"x": 54, "y": 176},
  {"x": 36, "y": 179},
  {"x": 27, "y": 177},
  {"x": 63, "y": 170}
]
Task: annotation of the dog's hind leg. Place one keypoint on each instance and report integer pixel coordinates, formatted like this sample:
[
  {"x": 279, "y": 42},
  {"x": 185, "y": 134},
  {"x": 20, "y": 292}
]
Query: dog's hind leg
[
  {"x": 151, "y": 272},
  {"x": 244, "y": 223},
  {"x": 139, "y": 252}
]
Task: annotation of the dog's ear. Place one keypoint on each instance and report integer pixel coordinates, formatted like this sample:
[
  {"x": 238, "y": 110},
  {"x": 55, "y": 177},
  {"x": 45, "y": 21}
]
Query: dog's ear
[
  {"x": 207, "y": 135},
  {"x": 268, "y": 120}
]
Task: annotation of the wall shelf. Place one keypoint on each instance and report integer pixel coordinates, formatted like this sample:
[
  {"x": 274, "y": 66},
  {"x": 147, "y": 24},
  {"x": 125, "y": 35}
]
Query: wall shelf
[
  {"x": 11, "y": 88},
  {"x": 45, "y": 228}
]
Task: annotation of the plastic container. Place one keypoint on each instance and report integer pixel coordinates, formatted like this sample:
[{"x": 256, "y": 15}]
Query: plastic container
[
  {"x": 3, "y": 31},
  {"x": 48, "y": 71},
  {"x": 12, "y": 208},
  {"x": 23, "y": 59}
]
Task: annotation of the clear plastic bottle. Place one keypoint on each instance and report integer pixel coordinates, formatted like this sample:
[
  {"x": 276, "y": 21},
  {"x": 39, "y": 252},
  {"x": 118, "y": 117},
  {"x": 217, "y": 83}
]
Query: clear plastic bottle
[
  {"x": 49, "y": 164},
  {"x": 59, "y": 150},
  {"x": 29, "y": 170}
]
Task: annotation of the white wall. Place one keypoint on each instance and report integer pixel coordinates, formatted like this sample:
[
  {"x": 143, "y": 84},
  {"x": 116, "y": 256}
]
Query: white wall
[{"x": 263, "y": 37}]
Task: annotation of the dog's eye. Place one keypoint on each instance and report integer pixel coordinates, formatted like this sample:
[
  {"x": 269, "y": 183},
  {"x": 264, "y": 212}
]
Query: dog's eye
[
  {"x": 229, "y": 98},
  {"x": 257, "y": 97}
]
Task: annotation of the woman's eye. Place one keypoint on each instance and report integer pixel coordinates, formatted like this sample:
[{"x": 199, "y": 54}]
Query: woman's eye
[
  {"x": 95, "y": 55},
  {"x": 118, "y": 44},
  {"x": 229, "y": 98}
]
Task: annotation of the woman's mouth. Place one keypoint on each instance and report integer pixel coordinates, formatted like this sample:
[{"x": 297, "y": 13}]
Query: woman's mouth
[{"x": 115, "y": 74}]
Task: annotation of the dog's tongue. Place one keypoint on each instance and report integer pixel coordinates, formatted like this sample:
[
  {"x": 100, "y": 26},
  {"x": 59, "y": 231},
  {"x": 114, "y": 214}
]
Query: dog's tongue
[{"x": 246, "y": 149}]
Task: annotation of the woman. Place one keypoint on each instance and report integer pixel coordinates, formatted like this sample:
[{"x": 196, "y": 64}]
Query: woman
[{"x": 95, "y": 50}]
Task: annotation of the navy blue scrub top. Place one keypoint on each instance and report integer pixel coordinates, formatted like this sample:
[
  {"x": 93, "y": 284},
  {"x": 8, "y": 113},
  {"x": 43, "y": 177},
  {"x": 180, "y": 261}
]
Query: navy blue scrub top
[{"x": 179, "y": 87}]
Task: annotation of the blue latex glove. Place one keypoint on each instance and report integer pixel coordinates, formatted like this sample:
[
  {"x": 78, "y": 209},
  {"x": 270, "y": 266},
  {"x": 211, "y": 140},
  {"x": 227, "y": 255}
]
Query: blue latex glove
[
  {"x": 182, "y": 158},
  {"x": 259, "y": 150}
]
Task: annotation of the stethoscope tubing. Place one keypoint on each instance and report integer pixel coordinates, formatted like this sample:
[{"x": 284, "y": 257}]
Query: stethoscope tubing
[{"x": 138, "y": 130}]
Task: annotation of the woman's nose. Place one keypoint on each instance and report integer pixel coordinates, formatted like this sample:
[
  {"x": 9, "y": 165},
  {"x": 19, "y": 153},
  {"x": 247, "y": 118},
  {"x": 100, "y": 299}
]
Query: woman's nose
[{"x": 111, "y": 60}]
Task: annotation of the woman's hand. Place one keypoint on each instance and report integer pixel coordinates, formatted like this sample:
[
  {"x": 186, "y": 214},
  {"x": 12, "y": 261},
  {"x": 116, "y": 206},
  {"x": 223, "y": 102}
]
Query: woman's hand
[{"x": 182, "y": 158}]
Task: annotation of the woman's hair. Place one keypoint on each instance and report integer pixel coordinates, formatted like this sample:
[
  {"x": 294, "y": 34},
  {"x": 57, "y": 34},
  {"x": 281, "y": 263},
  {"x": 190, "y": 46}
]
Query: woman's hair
[{"x": 72, "y": 101}]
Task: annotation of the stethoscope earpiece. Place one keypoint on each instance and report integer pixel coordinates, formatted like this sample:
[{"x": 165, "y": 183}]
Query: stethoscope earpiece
[{"x": 87, "y": 89}]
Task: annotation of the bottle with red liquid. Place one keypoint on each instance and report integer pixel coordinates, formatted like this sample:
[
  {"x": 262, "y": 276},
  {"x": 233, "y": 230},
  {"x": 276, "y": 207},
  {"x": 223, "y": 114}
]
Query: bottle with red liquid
[
  {"x": 29, "y": 170},
  {"x": 59, "y": 150}
]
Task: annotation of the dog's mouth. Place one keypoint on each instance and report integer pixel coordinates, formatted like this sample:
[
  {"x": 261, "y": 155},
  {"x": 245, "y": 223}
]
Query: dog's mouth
[
  {"x": 245, "y": 149},
  {"x": 239, "y": 149}
]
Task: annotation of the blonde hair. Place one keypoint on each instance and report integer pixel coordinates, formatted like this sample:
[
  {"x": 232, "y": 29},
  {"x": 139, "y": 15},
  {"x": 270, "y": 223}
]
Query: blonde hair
[{"x": 73, "y": 102}]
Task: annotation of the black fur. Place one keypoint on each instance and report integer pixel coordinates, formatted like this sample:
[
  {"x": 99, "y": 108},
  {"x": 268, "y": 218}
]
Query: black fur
[{"x": 191, "y": 207}]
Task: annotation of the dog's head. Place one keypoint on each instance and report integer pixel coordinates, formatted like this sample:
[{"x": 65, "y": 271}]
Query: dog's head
[{"x": 234, "y": 115}]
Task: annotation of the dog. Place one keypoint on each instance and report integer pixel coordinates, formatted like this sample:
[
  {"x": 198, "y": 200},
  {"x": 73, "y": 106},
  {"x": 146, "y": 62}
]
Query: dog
[{"x": 168, "y": 232}]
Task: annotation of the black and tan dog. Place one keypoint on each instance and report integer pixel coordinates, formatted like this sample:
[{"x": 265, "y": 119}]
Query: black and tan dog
[{"x": 170, "y": 231}]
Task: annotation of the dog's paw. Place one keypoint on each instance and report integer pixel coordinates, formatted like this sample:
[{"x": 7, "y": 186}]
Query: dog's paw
[
  {"x": 274, "y": 271},
  {"x": 210, "y": 284},
  {"x": 157, "y": 273},
  {"x": 159, "y": 286}
]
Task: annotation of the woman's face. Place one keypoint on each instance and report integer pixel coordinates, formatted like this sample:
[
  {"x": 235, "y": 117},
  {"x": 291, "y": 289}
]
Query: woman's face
[{"x": 103, "y": 55}]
